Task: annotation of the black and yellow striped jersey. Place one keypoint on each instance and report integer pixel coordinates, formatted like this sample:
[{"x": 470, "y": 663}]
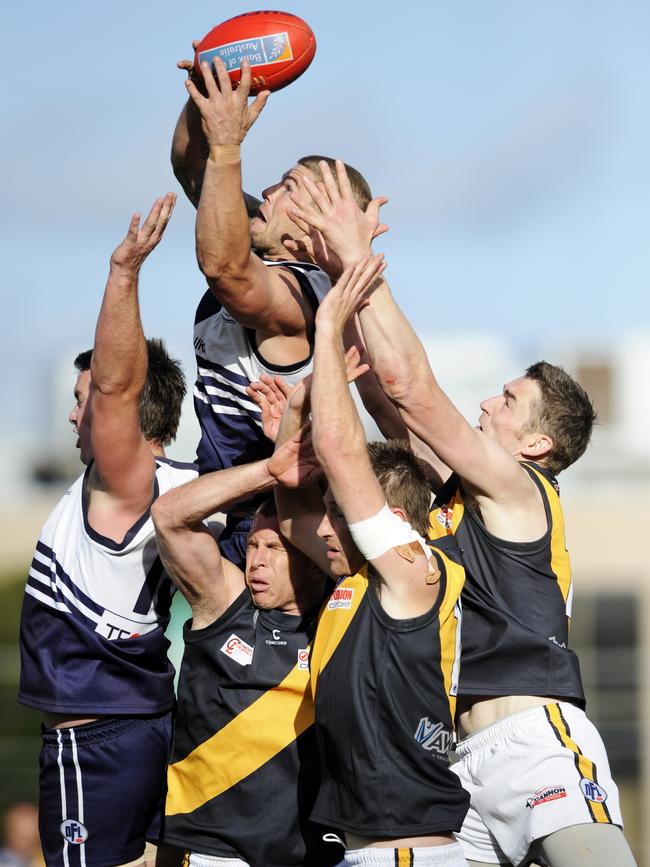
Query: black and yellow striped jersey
[
  {"x": 245, "y": 772},
  {"x": 385, "y": 699},
  {"x": 516, "y": 601}
]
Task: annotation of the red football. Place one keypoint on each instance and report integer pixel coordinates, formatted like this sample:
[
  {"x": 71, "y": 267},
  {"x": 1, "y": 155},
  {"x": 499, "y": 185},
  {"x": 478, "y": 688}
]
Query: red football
[{"x": 279, "y": 47}]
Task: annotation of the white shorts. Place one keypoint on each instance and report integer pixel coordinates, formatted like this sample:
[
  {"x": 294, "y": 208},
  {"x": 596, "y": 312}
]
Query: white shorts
[
  {"x": 421, "y": 856},
  {"x": 194, "y": 859},
  {"x": 529, "y": 775}
]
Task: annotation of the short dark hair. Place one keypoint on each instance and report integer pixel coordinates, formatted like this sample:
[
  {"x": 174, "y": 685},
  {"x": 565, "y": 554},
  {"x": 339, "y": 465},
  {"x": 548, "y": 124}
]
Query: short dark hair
[
  {"x": 404, "y": 481},
  {"x": 360, "y": 186},
  {"x": 564, "y": 412},
  {"x": 162, "y": 397}
]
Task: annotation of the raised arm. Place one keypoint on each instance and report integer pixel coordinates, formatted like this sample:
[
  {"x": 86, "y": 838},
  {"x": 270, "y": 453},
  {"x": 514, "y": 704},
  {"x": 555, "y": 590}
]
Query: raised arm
[
  {"x": 189, "y": 151},
  {"x": 399, "y": 360},
  {"x": 300, "y": 507},
  {"x": 403, "y": 568},
  {"x": 190, "y": 553},
  {"x": 121, "y": 479},
  {"x": 256, "y": 296}
]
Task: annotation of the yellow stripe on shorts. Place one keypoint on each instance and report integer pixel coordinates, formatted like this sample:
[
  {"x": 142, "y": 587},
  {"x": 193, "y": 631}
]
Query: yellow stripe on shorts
[
  {"x": 403, "y": 857},
  {"x": 586, "y": 768}
]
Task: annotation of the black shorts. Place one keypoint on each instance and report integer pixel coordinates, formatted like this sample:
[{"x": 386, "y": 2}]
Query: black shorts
[{"x": 102, "y": 788}]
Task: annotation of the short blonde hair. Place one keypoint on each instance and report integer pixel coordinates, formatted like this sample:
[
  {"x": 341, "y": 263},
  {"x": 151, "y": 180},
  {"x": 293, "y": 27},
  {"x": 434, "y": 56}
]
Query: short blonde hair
[{"x": 360, "y": 187}]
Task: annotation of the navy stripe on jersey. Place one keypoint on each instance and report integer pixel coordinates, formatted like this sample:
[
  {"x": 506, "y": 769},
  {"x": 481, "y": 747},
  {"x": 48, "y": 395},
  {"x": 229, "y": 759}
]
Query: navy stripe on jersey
[
  {"x": 178, "y": 465},
  {"x": 223, "y": 405},
  {"x": 235, "y": 378},
  {"x": 204, "y": 383},
  {"x": 151, "y": 582},
  {"x": 56, "y": 589}
]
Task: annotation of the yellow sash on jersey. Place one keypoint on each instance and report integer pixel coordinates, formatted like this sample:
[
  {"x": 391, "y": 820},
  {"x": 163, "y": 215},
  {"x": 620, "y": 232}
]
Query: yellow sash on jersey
[
  {"x": 278, "y": 717},
  {"x": 560, "y": 564},
  {"x": 339, "y": 611},
  {"x": 334, "y": 620}
]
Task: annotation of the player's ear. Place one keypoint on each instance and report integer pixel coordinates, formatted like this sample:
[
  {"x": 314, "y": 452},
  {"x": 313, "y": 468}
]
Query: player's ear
[
  {"x": 537, "y": 445},
  {"x": 401, "y": 514}
]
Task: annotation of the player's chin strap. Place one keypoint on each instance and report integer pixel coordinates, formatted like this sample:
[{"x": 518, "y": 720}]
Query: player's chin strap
[{"x": 376, "y": 535}]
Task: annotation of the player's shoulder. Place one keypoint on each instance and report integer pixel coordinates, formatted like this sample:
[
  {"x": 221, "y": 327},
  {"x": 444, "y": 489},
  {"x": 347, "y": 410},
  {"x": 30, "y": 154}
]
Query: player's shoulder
[
  {"x": 541, "y": 476},
  {"x": 309, "y": 276},
  {"x": 171, "y": 473}
]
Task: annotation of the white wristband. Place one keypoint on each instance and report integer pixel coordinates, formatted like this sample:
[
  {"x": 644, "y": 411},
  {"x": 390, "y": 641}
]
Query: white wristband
[{"x": 383, "y": 531}]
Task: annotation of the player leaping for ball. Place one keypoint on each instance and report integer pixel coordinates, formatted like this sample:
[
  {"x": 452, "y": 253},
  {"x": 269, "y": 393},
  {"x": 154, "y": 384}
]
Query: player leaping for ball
[
  {"x": 384, "y": 662},
  {"x": 93, "y": 650},
  {"x": 535, "y": 766},
  {"x": 264, "y": 287}
]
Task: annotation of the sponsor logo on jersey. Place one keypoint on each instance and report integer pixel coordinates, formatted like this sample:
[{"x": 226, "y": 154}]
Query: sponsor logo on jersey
[
  {"x": 433, "y": 737},
  {"x": 445, "y": 517},
  {"x": 548, "y": 793},
  {"x": 592, "y": 791},
  {"x": 303, "y": 659},
  {"x": 341, "y": 598},
  {"x": 199, "y": 344},
  {"x": 112, "y": 626},
  {"x": 555, "y": 641},
  {"x": 237, "y": 649},
  {"x": 276, "y": 640},
  {"x": 73, "y": 831}
]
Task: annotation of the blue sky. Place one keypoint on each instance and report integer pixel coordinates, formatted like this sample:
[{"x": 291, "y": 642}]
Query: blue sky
[{"x": 512, "y": 138}]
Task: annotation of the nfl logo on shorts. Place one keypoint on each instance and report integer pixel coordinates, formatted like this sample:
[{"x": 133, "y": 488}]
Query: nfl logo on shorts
[
  {"x": 73, "y": 831},
  {"x": 592, "y": 791}
]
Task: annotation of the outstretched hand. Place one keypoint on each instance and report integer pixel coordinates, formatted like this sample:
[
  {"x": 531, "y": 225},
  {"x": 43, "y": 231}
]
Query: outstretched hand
[
  {"x": 226, "y": 114},
  {"x": 294, "y": 464},
  {"x": 141, "y": 240},
  {"x": 271, "y": 394},
  {"x": 350, "y": 293},
  {"x": 331, "y": 212}
]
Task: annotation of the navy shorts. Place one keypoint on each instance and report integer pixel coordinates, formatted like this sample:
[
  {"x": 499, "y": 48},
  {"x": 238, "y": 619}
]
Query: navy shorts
[
  {"x": 234, "y": 539},
  {"x": 102, "y": 790}
]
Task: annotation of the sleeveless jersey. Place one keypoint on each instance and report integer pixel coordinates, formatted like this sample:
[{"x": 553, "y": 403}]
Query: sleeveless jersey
[
  {"x": 227, "y": 362},
  {"x": 516, "y": 600},
  {"x": 94, "y": 614},
  {"x": 244, "y": 773},
  {"x": 385, "y": 702}
]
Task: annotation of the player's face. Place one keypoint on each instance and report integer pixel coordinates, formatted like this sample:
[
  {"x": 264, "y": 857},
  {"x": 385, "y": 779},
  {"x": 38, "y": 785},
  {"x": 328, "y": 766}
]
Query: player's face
[
  {"x": 274, "y": 570},
  {"x": 506, "y": 417},
  {"x": 272, "y": 224},
  {"x": 79, "y": 418},
  {"x": 343, "y": 555}
]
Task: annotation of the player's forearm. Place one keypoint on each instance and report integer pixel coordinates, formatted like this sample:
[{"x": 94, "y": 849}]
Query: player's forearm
[
  {"x": 337, "y": 432},
  {"x": 189, "y": 152},
  {"x": 192, "y": 503},
  {"x": 293, "y": 418},
  {"x": 119, "y": 361},
  {"x": 400, "y": 362},
  {"x": 222, "y": 237},
  {"x": 396, "y": 354}
]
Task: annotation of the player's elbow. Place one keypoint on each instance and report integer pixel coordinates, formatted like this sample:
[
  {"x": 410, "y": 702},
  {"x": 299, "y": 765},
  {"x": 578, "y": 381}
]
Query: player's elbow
[
  {"x": 397, "y": 382},
  {"x": 164, "y": 514}
]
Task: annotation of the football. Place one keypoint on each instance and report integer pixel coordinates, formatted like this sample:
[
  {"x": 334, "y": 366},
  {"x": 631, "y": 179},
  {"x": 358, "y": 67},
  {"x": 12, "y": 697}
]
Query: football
[{"x": 279, "y": 47}]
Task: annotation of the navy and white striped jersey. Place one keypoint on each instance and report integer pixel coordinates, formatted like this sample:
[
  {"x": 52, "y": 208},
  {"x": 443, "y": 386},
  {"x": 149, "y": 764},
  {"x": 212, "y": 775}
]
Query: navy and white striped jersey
[
  {"x": 92, "y": 630},
  {"x": 227, "y": 362}
]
